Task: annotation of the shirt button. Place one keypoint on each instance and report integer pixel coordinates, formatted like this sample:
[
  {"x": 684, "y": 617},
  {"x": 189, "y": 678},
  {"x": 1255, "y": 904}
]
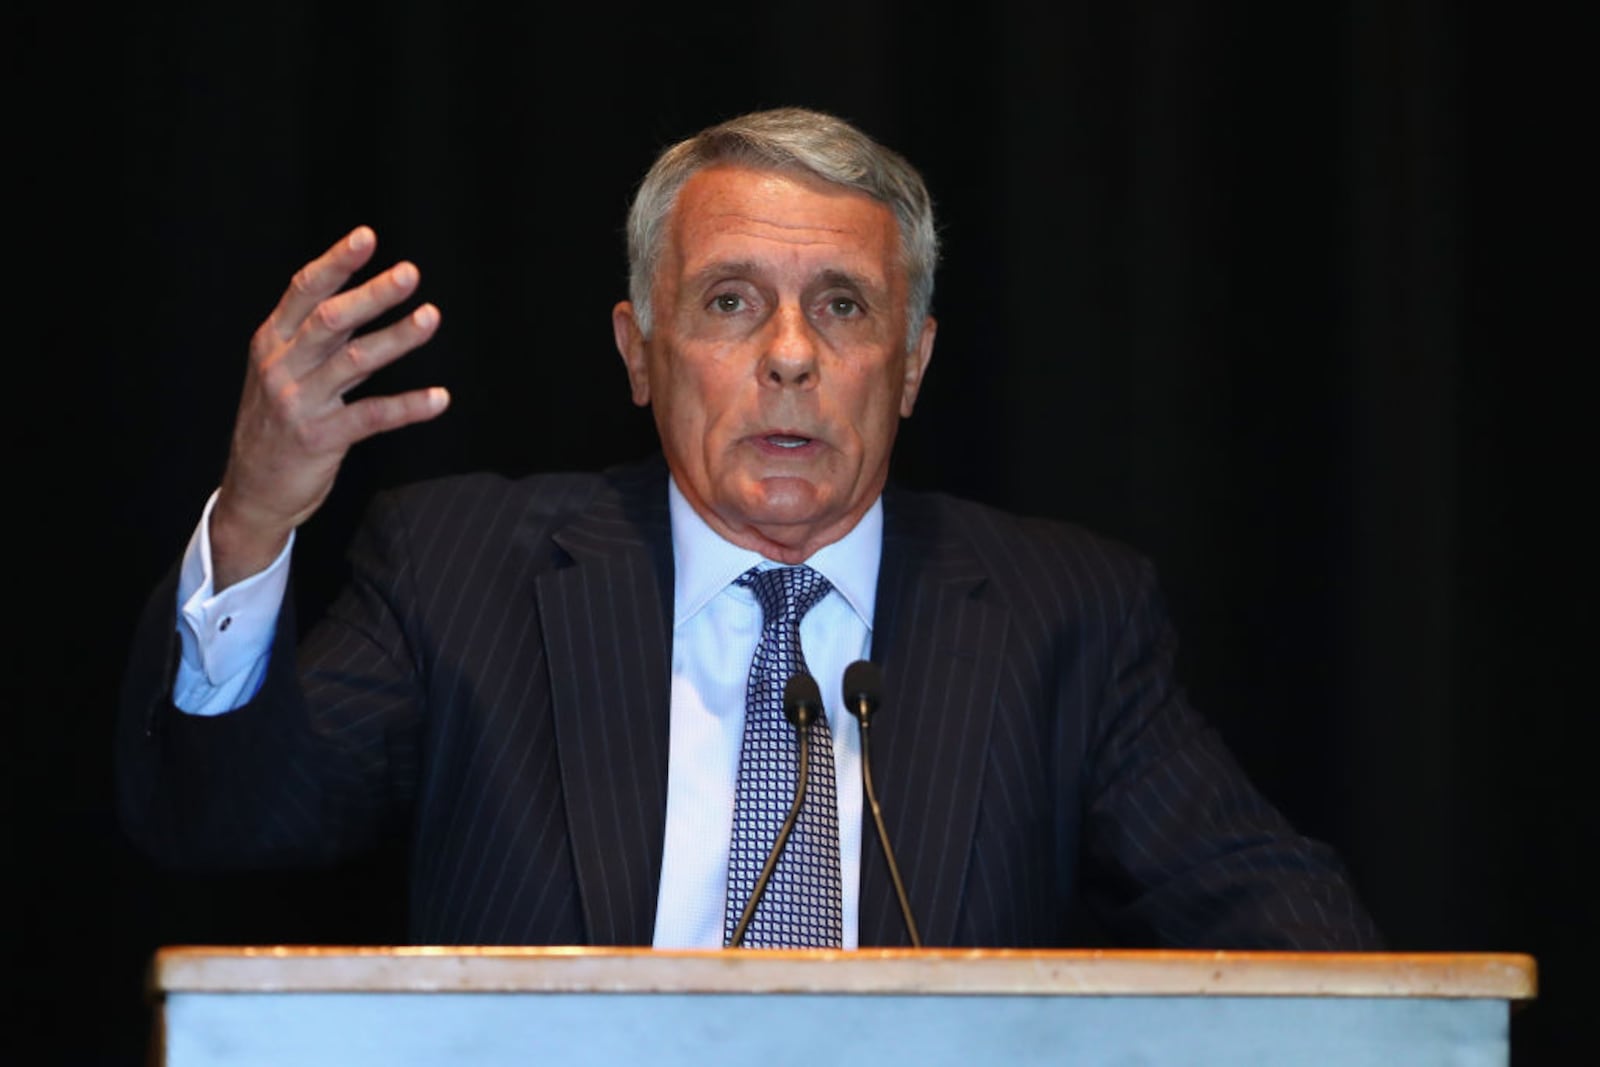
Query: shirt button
[{"x": 227, "y": 621}]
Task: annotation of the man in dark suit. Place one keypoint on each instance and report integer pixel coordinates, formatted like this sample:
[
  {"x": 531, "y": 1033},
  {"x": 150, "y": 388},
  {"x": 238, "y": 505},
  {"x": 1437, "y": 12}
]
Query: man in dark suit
[{"x": 539, "y": 685}]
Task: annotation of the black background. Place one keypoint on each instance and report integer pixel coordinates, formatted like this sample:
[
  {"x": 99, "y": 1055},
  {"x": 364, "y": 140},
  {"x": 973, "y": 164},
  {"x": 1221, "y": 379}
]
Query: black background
[{"x": 1260, "y": 289}]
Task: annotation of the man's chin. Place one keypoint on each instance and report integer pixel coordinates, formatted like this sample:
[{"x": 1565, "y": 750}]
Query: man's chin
[
  {"x": 775, "y": 504},
  {"x": 785, "y": 519},
  {"x": 787, "y": 499}
]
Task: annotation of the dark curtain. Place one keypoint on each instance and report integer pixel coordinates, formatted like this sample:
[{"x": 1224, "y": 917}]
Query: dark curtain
[{"x": 1239, "y": 284}]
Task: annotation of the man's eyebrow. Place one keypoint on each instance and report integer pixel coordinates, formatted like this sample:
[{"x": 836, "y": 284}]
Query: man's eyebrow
[
  {"x": 846, "y": 280},
  {"x": 724, "y": 268}
]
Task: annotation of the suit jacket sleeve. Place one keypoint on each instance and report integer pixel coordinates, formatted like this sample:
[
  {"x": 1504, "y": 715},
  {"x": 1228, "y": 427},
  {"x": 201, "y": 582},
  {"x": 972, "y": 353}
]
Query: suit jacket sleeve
[
  {"x": 319, "y": 766},
  {"x": 421, "y": 714},
  {"x": 1179, "y": 846}
]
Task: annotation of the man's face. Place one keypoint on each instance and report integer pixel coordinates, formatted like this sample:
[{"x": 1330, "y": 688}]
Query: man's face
[{"x": 777, "y": 367}]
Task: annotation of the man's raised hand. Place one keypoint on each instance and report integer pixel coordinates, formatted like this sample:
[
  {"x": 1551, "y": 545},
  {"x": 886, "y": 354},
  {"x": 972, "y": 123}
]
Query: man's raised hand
[{"x": 294, "y": 425}]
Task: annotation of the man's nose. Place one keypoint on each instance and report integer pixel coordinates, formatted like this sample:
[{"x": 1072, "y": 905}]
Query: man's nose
[{"x": 789, "y": 356}]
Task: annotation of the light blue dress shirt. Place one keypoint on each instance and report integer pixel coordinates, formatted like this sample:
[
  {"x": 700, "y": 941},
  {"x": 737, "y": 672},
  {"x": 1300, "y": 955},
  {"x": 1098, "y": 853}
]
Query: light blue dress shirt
[
  {"x": 226, "y": 640},
  {"x": 715, "y": 628}
]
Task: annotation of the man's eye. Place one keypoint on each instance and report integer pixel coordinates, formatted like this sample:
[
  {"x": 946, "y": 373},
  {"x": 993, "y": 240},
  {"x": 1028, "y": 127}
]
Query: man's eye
[
  {"x": 842, "y": 307},
  {"x": 727, "y": 303}
]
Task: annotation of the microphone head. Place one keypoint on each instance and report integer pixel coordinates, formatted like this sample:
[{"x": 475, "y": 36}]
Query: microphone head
[
  {"x": 802, "y": 700},
  {"x": 863, "y": 688}
]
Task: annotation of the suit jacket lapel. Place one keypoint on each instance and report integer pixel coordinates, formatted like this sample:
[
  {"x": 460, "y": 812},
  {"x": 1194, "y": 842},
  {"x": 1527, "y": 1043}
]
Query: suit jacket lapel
[
  {"x": 939, "y": 645},
  {"x": 607, "y": 629}
]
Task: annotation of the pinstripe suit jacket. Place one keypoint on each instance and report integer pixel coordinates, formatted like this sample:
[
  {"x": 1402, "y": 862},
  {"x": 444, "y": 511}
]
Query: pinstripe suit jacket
[{"x": 493, "y": 686}]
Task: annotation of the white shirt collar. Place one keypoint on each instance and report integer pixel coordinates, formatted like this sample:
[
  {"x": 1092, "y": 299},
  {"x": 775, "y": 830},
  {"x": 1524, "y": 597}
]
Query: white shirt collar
[{"x": 704, "y": 564}]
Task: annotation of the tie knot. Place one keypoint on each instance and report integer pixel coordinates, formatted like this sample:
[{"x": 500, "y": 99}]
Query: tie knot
[{"x": 785, "y": 593}]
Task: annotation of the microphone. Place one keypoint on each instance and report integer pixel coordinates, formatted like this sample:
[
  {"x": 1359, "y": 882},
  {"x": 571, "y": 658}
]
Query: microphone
[
  {"x": 863, "y": 692},
  {"x": 802, "y": 703}
]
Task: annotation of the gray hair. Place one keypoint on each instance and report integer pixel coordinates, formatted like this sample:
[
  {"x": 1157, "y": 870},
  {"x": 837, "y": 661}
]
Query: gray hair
[{"x": 792, "y": 139}]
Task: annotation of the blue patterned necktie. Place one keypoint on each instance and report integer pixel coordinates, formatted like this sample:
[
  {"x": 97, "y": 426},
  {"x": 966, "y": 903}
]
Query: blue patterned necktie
[{"x": 803, "y": 903}]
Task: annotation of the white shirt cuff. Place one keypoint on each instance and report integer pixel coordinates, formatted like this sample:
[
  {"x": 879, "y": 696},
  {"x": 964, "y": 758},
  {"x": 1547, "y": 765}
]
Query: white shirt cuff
[{"x": 226, "y": 636}]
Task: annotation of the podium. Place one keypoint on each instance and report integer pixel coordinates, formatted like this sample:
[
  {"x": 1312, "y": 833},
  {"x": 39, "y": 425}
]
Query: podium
[{"x": 310, "y": 1006}]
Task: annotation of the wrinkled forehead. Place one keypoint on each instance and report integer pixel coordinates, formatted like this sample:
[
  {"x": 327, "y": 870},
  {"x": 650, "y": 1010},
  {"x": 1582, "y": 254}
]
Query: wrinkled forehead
[{"x": 735, "y": 211}]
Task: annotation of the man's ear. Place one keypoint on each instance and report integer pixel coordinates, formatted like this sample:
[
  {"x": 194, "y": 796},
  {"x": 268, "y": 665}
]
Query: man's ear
[
  {"x": 631, "y": 344},
  {"x": 916, "y": 366}
]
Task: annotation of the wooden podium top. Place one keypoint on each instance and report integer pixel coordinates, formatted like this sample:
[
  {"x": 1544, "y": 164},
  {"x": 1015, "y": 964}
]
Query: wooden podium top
[{"x": 293, "y": 968}]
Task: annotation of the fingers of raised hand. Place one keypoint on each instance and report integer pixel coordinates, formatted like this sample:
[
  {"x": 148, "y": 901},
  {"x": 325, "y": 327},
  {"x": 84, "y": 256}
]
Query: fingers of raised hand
[
  {"x": 308, "y": 349},
  {"x": 359, "y": 357},
  {"x": 378, "y": 414},
  {"x": 340, "y": 315},
  {"x": 308, "y": 409},
  {"x": 330, "y": 323},
  {"x": 320, "y": 279}
]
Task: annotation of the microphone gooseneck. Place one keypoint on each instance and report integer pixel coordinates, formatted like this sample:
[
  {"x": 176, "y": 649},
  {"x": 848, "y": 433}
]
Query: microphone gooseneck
[
  {"x": 802, "y": 703},
  {"x": 863, "y": 693}
]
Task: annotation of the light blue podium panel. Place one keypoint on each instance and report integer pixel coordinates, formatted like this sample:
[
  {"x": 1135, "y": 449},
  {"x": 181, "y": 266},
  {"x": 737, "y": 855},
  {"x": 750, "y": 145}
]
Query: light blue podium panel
[{"x": 492, "y": 1006}]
